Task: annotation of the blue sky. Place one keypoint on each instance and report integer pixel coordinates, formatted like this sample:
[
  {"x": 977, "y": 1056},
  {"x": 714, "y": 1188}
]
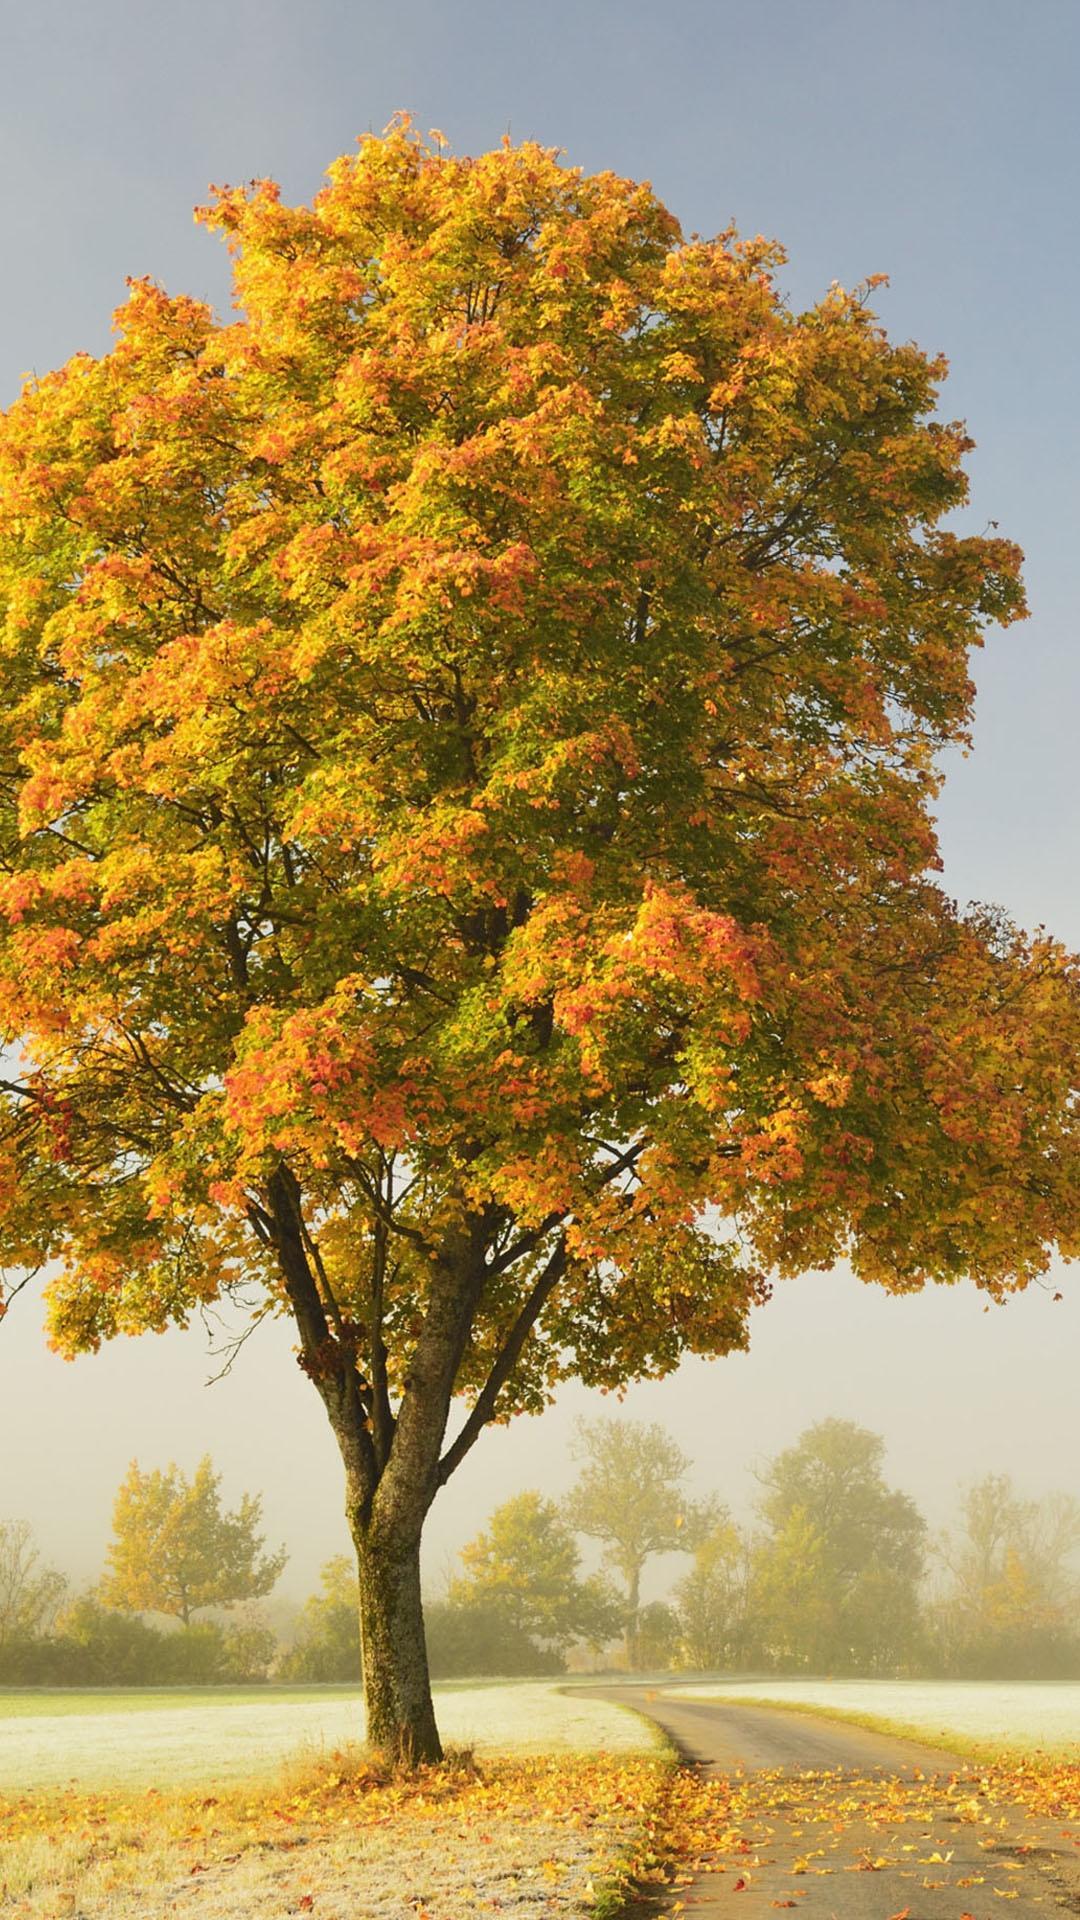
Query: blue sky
[{"x": 938, "y": 143}]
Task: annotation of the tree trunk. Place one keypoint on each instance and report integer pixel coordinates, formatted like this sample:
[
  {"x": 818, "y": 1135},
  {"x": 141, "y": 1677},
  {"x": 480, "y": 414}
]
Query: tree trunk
[
  {"x": 633, "y": 1605},
  {"x": 391, "y": 1458},
  {"x": 397, "y": 1688}
]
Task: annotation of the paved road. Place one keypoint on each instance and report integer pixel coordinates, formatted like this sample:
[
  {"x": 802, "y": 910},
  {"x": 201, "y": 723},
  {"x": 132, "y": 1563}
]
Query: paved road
[
  {"x": 723, "y": 1738},
  {"x": 841, "y": 1823}
]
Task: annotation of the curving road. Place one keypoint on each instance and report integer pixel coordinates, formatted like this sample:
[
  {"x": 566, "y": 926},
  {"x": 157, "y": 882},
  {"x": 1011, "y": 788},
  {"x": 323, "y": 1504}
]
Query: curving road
[
  {"x": 847, "y": 1824},
  {"x": 723, "y": 1737}
]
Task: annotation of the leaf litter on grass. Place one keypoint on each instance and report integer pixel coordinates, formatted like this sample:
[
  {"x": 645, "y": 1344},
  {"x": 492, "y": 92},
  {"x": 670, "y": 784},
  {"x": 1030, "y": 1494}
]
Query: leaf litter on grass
[
  {"x": 558, "y": 1836},
  {"x": 529, "y": 1837}
]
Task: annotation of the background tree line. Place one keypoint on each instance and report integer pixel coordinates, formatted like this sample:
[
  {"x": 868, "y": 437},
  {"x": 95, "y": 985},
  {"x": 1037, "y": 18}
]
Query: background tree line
[{"x": 838, "y": 1574}]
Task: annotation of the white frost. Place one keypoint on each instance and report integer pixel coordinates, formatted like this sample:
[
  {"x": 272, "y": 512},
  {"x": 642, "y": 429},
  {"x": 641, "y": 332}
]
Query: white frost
[{"x": 122, "y": 1738}]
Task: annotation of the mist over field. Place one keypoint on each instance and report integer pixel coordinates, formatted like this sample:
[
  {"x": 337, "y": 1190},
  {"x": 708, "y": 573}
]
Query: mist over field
[{"x": 955, "y": 1390}]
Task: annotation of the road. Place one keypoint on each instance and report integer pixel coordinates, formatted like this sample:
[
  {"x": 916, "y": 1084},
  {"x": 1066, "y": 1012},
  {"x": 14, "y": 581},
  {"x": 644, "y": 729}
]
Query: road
[
  {"x": 841, "y": 1823},
  {"x": 722, "y": 1738}
]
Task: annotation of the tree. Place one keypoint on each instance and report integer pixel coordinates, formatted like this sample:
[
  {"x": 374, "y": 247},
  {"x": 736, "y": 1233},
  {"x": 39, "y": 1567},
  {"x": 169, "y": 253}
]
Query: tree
[
  {"x": 656, "y": 1636},
  {"x": 327, "y": 1644},
  {"x": 468, "y": 739},
  {"x": 792, "y": 1597},
  {"x": 711, "y": 1600},
  {"x": 100, "y": 1646},
  {"x": 837, "y": 1580},
  {"x": 630, "y": 1496},
  {"x": 1010, "y": 1607},
  {"x": 525, "y": 1568},
  {"x": 174, "y": 1548},
  {"x": 30, "y": 1593},
  {"x": 113, "y": 1649},
  {"x": 480, "y": 1638}
]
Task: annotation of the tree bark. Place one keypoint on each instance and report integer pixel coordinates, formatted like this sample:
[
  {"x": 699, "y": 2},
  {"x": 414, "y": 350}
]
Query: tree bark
[
  {"x": 397, "y": 1687},
  {"x": 633, "y": 1607}
]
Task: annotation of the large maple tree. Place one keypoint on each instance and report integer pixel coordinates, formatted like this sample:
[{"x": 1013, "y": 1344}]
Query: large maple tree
[{"x": 469, "y": 733}]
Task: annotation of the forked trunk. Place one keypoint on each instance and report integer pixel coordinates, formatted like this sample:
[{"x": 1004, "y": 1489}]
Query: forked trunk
[{"x": 397, "y": 1688}]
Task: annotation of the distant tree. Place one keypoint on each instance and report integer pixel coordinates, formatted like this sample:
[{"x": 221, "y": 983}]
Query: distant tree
[
  {"x": 327, "y": 1642},
  {"x": 175, "y": 1550},
  {"x": 30, "y": 1593},
  {"x": 112, "y": 1649},
  {"x": 837, "y": 1577},
  {"x": 630, "y": 1496},
  {"x": 526, "y": 1568},
  {"x": 997, "y": 1521},
  {"x": 711, "y": 1599},
  {"x": 248, "y": 1650},
  {"x": 793, "y": 1597},
  {"x": 480, "y": 1639},
  {"x": 1009, "y": 1609},
  {"x": 657, "y": 1636},
  {"x": 98, "y": 1645}
]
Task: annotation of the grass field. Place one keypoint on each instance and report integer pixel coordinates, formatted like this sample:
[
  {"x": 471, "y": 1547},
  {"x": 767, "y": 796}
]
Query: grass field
[
  {"x": 543, "y": 1838},
  {"x": 143, "y": 1737},
  {"x": 984, "y": 1716},
  {"x": 140, "y": 1805}
]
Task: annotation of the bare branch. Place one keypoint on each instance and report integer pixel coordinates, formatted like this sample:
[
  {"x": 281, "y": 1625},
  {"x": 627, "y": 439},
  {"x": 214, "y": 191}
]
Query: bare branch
[
  {"x": 12, "y": 1289},
  {"x": 233, "y": 1346}
]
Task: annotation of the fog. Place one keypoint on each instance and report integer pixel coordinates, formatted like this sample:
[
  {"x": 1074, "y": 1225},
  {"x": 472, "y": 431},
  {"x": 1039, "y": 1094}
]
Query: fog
[
  {"x": 957, "y": 1391},
  {"x": 937, "y": 144}
]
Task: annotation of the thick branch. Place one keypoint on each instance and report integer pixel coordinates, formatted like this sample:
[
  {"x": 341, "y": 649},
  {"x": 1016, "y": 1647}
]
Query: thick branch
[
  {"x": 287, "y": 1239},
  {"x": 459, "y": 1272},
  {"x": 484, "y": 1407},
  {"x": 382, "y": 1418},
  {"x": 331, "y": 1361}
]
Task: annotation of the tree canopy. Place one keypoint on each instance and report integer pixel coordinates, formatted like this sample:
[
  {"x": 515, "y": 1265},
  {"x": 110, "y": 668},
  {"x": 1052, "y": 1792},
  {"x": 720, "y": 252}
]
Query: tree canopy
[
  {"x": 30, "y": 1592},
  {"x": 836, "y": 1580},
  {"x": 525, "y": 1567},
  {"x": 469, "y": 735},
  {"x": 1010, "y": 1602},
  {"x": 713, "y": 1598},
  {"x": 327, "y": 1642},
  {"x": 175, "y": 1549},
  {"x": 631, "y": 1496}
]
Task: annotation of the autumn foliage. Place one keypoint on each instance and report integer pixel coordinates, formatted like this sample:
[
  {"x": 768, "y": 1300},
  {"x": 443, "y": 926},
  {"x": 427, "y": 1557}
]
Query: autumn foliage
[
  {"x": 176, "y": 1550},
  {"x": 469, "y": 735}
]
